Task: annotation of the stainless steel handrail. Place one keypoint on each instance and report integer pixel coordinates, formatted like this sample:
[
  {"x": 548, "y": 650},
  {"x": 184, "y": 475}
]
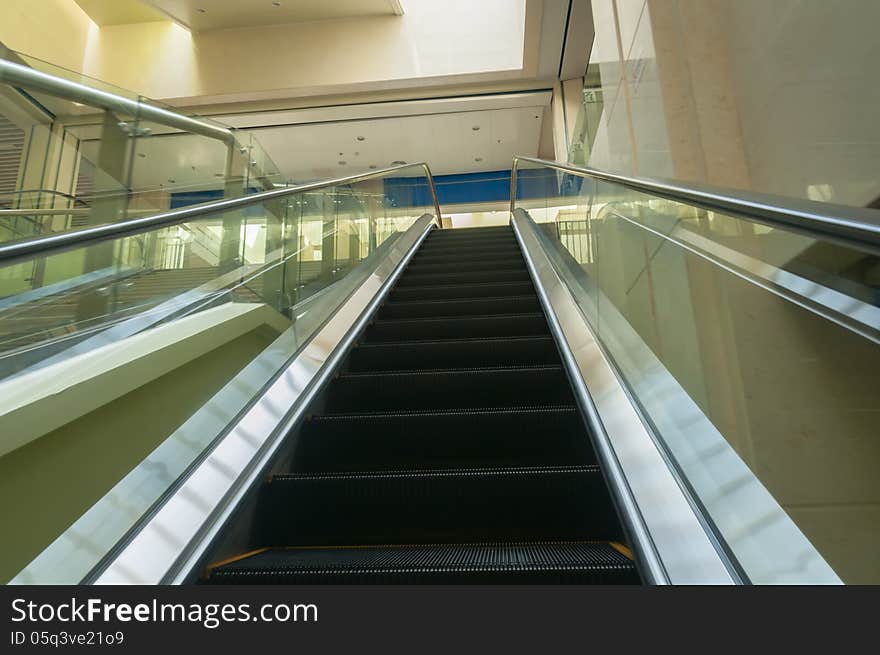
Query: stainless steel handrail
[
  {"x": 855, "y": 226},
  {"x": 30, "y": 78},
  {"x": 65, "y": 240}
]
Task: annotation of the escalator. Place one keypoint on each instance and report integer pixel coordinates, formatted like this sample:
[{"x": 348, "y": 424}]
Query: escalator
[{"x": 448, "y": 448}]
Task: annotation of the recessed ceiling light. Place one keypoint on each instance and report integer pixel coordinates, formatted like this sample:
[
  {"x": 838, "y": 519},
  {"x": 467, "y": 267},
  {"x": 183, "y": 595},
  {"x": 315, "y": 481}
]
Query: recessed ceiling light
[
  {"x": 398, "y": 162},
  {"x": 476, "y": 128},
  {"x": 478, "y": 159},
  {"x": 362, "y": 138},
  {"x": 142, "y": 155},
  {"x": 170, "y": 181},
  {"x": 276, "y": 3},
  {"x": 373, "y": 167},
  {"x": 342, "y": 162},
  {"x": 201, "y": 10}
]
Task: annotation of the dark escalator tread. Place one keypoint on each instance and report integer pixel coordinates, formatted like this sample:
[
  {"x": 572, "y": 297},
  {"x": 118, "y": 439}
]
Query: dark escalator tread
[
  {"x": 457, "y": 327},
  {"x": 478, "y": 233},
  {"x": 466, "y": 290},
  {"x": 494, "y": 250},
  {"x": 577, "y": 562},
  {"x": 467, "y": 277},
  {"x": 453, "y": 353},
  {"x": 479, "y": 438},
  {"x": 448, "y": 389},
  {"x": 525, "y": 304},
  {"x": 506, "y": 243},
  {"x": 564, "y": 503},
  {"x": 418, "y": 268},
  {"x": 464, "y": 257}
]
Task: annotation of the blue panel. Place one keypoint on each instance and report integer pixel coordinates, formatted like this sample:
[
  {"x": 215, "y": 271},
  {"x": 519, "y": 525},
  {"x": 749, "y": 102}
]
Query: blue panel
[
  {"x": 187, "y": 198},
  {"x": 471, "y": 188}
]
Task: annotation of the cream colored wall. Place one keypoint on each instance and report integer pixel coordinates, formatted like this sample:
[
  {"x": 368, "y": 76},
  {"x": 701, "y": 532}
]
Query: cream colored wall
[
  {"x": 57, "y": 31},
  {"x": 157, "y": 59},
  {"x": 431, "y": 41}
]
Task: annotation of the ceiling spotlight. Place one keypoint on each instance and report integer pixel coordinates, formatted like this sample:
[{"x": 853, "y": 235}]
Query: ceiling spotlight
[
  {"x": 398, "y": 162},
  {"x": 171, "y": 181},
  {"x": 201, "y": 10},
  {"x": 362, "y": 138},
  {"x": 373, "y": 167},
  {"x": 478, "y": 159},
  {"x": 142, "y": 155},
  {"x": 476, "y": 128},
  {"x": 276, "y": 3},
  {"x": 342, "y": 162}
]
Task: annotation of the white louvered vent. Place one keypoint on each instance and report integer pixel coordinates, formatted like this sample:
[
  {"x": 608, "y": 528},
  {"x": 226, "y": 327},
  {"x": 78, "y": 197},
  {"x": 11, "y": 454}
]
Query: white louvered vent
[{"x": 11, "y": 147}]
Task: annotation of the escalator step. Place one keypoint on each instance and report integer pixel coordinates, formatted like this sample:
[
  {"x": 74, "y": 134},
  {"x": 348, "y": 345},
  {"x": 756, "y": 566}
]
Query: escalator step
[
  {"x": 485, "y": 437},
  {"x": 437, "y": 506},
  {"x": 494, "y": 250},
  {"x": 472, "y": 232},
  {"x": 457, "y": 244},
  {"x": 495, "y": 275},
  {"x": 469, "y": 256},
  {"x": 448, "y": 389},
  {"x": 538, "y": 562},
  {"x": 417, "y": 268},
  {"x": 526, "y": 304},
  {"x": 473, "y": 290},
  {"x": 457, "y": 327},
  {"x": 453, "y": 353}
]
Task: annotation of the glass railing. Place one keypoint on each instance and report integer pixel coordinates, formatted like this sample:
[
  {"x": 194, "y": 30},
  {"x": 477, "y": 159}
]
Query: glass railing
[
  {"x": 120, "y": 155},
  {"x": 124, "y": 358},
  {"x": 750, "y": 348}
]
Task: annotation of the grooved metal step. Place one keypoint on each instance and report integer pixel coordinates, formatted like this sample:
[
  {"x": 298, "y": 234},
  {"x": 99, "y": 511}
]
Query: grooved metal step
[
  {"x": 483, "y": 437},
  {"x": 525, "y": 304},
  {"x": 509, "y": 263},
  {"x": 578, "y": 562},
  {"x": 456, "y": 327},
  {"x": 439, "y": 506},
  {"x": 448, "y": 389},
  {"x": 467, "y": 290},
  {"x": 496, "y": 275},
  {"x": 453, "y": 353}
]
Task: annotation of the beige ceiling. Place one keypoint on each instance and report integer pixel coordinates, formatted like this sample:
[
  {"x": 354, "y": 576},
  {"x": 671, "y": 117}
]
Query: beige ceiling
[
  {"x": 307, "y": 152},
  {"x": 120, "y": 12},
  {"x": 230, "y": 14}
]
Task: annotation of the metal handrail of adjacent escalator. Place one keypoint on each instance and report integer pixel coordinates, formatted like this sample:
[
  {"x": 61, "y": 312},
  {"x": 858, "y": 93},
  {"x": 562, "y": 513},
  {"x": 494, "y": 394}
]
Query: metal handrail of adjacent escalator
[
  {"x": 14, "y": 252},
  {"x": 695, "y": 510},
  {"x": 852, "y": 226},
  {"x": 19, "y": 75}
]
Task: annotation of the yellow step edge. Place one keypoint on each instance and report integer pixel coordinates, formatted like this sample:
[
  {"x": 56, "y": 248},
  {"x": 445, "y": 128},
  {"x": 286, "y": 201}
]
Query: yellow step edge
[{"x": 623, "y": 550}]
